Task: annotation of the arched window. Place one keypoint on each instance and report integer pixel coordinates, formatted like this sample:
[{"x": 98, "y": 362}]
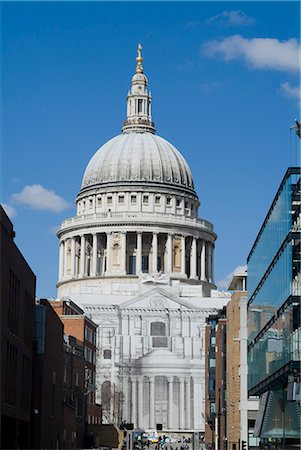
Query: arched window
[{"x": 158, "y": 331}]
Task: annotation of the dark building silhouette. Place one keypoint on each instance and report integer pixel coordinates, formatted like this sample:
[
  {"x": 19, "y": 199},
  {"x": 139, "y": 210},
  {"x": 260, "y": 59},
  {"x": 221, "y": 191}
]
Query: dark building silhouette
[{"x": 18, "y": 284}]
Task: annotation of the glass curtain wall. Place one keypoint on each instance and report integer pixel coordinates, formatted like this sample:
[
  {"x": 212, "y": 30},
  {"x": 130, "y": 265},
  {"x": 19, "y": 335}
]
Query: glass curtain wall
[{"x": 275, "y": 229}]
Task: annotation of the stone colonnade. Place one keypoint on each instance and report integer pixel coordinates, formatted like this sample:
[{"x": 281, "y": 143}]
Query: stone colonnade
[
  {"x": 133, "y": 253},
  {"x": 177, "y": 408}
]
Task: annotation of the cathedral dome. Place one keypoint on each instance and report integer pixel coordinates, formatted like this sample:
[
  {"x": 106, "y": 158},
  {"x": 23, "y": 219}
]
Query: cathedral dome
[{"x": 138, "y": 157}]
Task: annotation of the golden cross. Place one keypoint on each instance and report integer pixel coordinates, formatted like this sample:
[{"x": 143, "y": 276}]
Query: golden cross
[
  {"x": 139, "y": 59},
  {"x": 139, "y": 50}
]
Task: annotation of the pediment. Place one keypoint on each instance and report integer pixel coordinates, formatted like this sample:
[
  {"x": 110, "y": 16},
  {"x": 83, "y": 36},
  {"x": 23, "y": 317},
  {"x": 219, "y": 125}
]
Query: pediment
[
  {"x": 157, "y": 298},
  {"x": 162, "y": 359}
]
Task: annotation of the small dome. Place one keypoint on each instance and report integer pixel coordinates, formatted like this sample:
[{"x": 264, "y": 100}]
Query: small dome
[
  {"x": 138, "y": 157},
  {"x": 139, "y": 78}
]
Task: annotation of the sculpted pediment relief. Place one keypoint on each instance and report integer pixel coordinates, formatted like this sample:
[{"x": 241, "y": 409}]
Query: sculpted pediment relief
[{"x": 157, "y": 298}]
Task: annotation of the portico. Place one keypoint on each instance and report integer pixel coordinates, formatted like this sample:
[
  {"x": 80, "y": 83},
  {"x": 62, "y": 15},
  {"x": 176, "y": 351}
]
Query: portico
[{"x": 146, "y": 401}]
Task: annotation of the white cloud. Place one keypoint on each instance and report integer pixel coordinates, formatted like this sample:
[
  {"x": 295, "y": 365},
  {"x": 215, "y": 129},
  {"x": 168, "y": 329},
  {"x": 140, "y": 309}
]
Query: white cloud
[
  {"x": 10, "y": 210},
  {"x": 232, "y": 18},
  {"x": 291, "y": 91},
  {"x": 39, "y": 198},
  {"x": 259, "y": 53},
  {"x": 224, "y": 283}
]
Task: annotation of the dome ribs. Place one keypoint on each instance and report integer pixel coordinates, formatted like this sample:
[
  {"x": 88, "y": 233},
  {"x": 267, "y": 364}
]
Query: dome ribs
[
  {"x": 138, "y": 157},
  {"x": 166, "y": 166},
  {"x": 160, "y": 163}
]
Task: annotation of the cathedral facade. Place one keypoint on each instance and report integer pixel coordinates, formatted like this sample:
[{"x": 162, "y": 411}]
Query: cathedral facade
[{"x": 139, "y": 261}]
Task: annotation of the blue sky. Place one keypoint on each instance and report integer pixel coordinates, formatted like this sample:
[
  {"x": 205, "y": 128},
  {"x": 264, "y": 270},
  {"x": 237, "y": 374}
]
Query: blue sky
[{"x": 225, "y": 83}]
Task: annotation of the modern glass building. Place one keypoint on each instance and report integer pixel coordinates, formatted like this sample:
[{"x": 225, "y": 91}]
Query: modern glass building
[{"x": 274, "y": 288}]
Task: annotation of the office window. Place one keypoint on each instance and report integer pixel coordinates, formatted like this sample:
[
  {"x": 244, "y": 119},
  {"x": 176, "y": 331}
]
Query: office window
[
  {"x": 211, "y": 384},
  {"x": 157, "y": 199},
  {"x": 133, "y": 198},
  {"x": 145, "y": 199},
  {"x": 211, "y": 362}
]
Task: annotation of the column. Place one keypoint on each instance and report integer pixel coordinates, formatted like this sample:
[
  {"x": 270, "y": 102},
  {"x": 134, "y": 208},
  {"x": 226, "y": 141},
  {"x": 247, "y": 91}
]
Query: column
[
  {"x": 152, "y": 402},
  {"x": 155, "y": 253},
  {"x": 193, "y": 274},
  {"x": 123, "y": 254},
  {"x": 188, "y": 410},
  {"x": 126, "y": 392},
  {"x": 139, "y": 253},
  {"x": 197, "y": 399},
  {"x": 169, "y": 254},
  {"x": 140, "y": 402},
  {"x": 73, "y": 257},
  {"x": 94, "y": 255},
  {"x": 108, "y": 262},
  {"x": 66, "y": 257},
  {"x": 183, "y": 255},
  {"x": 209, "y": 261},
  {"x": 182, "y": 405},
  {"x": 62, "y": 254},
  {"x": 170, "y": 402},
  {"x": 82, "y": 255},
  {"x": 134, "y": 401},
  {"x": 203, "y": 261},
  {"x": 212, "y": 263}
]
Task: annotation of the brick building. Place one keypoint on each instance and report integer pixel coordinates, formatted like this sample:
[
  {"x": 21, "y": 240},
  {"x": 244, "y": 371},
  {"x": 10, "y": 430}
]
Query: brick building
[
  {"x": 18, "y": 284},
  {"x": 215, "y": 380},
  {"x": 230, "y": 413},
  {"x": 77, "y": 324},
  {"x": 221, "y": 380},
  {"x": 47, "y": 418},
  {"x": 233, "y": 380},
  {"x": 74, "y": 410}
]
